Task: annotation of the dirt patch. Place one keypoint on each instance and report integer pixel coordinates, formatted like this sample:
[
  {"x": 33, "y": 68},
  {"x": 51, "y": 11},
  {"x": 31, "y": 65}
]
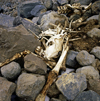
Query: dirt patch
[{"x": 86, "y": 43}]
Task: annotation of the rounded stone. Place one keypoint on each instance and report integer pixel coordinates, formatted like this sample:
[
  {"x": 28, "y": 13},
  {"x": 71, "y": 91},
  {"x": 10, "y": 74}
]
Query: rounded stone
[{"x": 11, "y": 70}]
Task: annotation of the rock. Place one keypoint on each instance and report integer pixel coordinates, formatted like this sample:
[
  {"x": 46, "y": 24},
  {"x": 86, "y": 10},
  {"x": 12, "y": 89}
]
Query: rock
[
  {"x": 40, "y": 17},
  {"x": 48, "y": 3},
  {"x": 71, "y": 58},
  {"x": 54, "y": 99},
  {"x": 71, "y": 84},
  {"x": 95, "y": 32},
  {"x": 11, "y": 70},
  {"x": 47, "y": 98},
  {"x": 35, "y": 20},
  {"x": 88, "y": 96},
  {"x": 84, "y": 58},
  {"x": 96, "y": 7},
  {"x": 94, "y": 85},
  {"x": 38, "y": 10},
  {"x": 26, "y": 7},
  {"x": 6, "y": 89},
  {"x": 29, "y": 86},
  {"x": 82, "y": 2},
  {"x": 62, "y": 97},
  {"x": 1, "y": 10},
  {"x": 6, "y": 20},
  {"x": 96, "y": 64},
  {"x": 93, "y": 17},
  {"x": 19, "y": 40},
  {"x": 28, "y": 24},
  {"x": 62, "y": 2},
  {"x": 53, "y": 91},
  {"x": 68, "y": 70},
  {"x": 34, "y": 64},
  {"x": 96, "y": 51},
  {"x": 89, "y": 71},
  {"x": 74, "y": 17},
  {"x": 54, "y": 7},
  {"x": 52, "y": 17}
]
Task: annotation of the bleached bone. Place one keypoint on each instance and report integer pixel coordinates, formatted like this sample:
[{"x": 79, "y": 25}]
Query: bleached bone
[{"x": 54, "y": 73}]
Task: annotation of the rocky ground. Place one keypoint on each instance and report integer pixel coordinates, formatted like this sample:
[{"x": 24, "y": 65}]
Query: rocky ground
[{"x": 24, "y": 78}]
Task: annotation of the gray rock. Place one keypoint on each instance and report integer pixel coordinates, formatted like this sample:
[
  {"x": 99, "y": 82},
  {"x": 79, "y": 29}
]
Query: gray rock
[
  {"x": 26, "y": 7},
  {"x": 71, "y": 58},
  {"x": 55, "y": 4},
  {"x": 11, "y": 71},
  {"x": 47, "y": 98},
  {"x": 93, "y": 17},
  {"x": 35, "y": 20},
  {"x": 6, "y": 89},
  {"x": 29, "y": 86},
  {"x": 89, "y": 71},
  {"x": 62, "y": 2},
  {"x": 19, "y": 40},
  {"x": 53, "y": 91},
  {"x": 96, "y": 7},
  {"x": 94, "y": 85},
  {"x": 88, "y": 96},
  {"x": 68, "y": 70},
  {"x": 48, "y": 3},
  {"x": 96, "y": 51},
  {"x": 34, "y": 64},
  {"x": 40, "y": 17},
  {"x": 95, "y": 32},
  {"x": 82, "y": 2},
  {"x": 99, "y": 19},
  {"x": 84, "y": 58},
  {"x": 38, "y": 10},
  {"x": 96, "y": 64},
  {"x": 62, "y": 97},
  {"x": 28, "y": 24},
  {"x": 52, "y": 17},
  {"x": 54, "y": 99},
  {"x": 71, "y": 84},
  {"x": 6, "y": 20}
]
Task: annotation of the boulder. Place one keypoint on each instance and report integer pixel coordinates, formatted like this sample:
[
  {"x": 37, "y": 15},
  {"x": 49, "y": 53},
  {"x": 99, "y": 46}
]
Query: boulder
[
  {"x": 96, "y": 64},
  {"x": 54, "y": 99},
  {"x": 62, "y": 2},
  {"x": 47, "y": 98},
  {"x": 26, "y": 7},
  {"x": 35, "y": 20},
  {"x": 71, "y": 84},
  {"x": 84, "y": 58},
  {"x": 38, "y": 10},
  {"x": 94, "y": 85},
  {"x": 28, "y": 24},
  {"x": 95, "y": 32},
  {"x": 29, "y": 86},
  {"x": 54, "y": 18},
  {"x": 6, "y": 20},
  {"x": 96, "y": 7},
  {"x": 48, "y": 3},
  {"x": 6, "y": 89},
  {"x": 19, "y": 40},
  {"x": 34, "y": 64},
  {"x": 62, "y": 97},
  {"x": 71, "y": 58},
  {"x": 53, "y": 91},
  {"x": 96, "y": 51},
  {"x": 88, "y": 96},
  {"x": 55, "y": 4},
  {"x": 93, "y": 17},
  {"x": 11, "y": 70},
  {"x": 89, "y": 71},
  {"x": 82, "y": 2}
]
